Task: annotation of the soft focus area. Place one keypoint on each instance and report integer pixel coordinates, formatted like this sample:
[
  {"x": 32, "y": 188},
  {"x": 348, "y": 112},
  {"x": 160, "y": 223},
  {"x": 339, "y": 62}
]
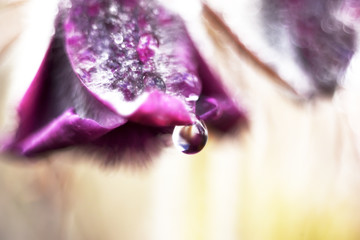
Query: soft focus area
[{"x": 293, "y": 172}]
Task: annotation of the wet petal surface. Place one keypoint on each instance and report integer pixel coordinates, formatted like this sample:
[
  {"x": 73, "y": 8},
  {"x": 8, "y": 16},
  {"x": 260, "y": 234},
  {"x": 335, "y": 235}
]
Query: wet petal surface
[
  {"x": 122, "y": 50},
  {"x": 117, "y": 76}
]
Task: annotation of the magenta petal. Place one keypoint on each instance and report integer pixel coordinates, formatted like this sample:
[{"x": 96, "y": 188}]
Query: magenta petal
[
  {"x": 162, "y": 110},
  {"x": 216, "y": 106},
  {"x": 44, "y": 110},
  {"x": 118, "y": 50},
  {"x": 66, "y": 130},
  {"x": 208, "y": 108},
  {"x": 220, "y": 112}
]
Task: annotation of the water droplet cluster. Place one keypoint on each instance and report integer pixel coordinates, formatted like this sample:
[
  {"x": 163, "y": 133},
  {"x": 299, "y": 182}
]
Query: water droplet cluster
[{"x": 129, "y": 47}]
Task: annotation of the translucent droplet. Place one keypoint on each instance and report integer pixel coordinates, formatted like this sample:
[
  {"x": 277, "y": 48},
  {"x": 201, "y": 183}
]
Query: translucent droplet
[
  {"x": 153, "y": 82},
  {"x": 118, "y": 38},
  {"x": 113, "y": 9},
  {"x": 190, "y": 139},
  {"x": 147, "y": 46}
]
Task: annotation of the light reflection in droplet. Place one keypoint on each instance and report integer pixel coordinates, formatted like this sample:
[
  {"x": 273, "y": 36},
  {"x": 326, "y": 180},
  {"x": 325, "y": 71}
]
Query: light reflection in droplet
[{"x": 190, "y": 139}]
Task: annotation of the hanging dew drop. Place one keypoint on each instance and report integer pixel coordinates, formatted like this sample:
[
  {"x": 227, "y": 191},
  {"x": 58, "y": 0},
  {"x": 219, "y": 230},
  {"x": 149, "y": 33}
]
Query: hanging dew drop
[{"x": 190, "y": 139}]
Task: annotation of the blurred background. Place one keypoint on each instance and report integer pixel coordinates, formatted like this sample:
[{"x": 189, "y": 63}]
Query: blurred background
[{"x": 292, "y": 173}]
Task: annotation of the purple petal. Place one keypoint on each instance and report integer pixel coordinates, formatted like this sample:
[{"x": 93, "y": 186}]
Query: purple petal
[
  {"x": 306, "y": 43},
  {"x": 216, "y": 106},
  {"x": 66, "y": 130},
  {"x": 113, "y": 46},
  {"x": 117, "y": 75},
  {"x": 161, "y": 110},
  {"x": 44, "y": 110},
  {"x": 324, "y": 44}
]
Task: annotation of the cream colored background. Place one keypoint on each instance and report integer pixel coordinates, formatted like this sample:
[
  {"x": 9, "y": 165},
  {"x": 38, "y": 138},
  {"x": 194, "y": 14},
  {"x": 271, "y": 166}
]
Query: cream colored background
[{"x": 293, "y": 174}]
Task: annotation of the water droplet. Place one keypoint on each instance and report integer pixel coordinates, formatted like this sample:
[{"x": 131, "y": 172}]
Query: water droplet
[
  {"x": 118, "y": 38},
  {"x": 94, "y": 26},
  {"x": 153, "y": 82},
  {"x": 190, "y": 139},
  {"x": 192, "y": 97},
  {"x": 113, "y": 9},
  {"x": 147, "y": 46},
  {"x": 149, "y": 66}
]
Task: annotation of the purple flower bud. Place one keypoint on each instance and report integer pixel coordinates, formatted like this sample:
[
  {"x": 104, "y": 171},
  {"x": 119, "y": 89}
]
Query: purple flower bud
[{"x": 117, "y": 75}]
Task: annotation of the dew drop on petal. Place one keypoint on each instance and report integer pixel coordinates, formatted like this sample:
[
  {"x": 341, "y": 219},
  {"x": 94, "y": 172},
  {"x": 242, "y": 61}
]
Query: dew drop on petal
[
  {"x": 147, "y": 46},
  {"x": 190, "y": 139},
  {"x": 113, "y": 9},
  {"x": 118, "y": 38},
  {"x": 153, "y": 82}
]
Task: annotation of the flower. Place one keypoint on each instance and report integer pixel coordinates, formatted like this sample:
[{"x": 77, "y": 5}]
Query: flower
[
  {"x": 322, "y": 41},
  {"x": 117, "y": 75},
  {"x": 307, "y": 45}
]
